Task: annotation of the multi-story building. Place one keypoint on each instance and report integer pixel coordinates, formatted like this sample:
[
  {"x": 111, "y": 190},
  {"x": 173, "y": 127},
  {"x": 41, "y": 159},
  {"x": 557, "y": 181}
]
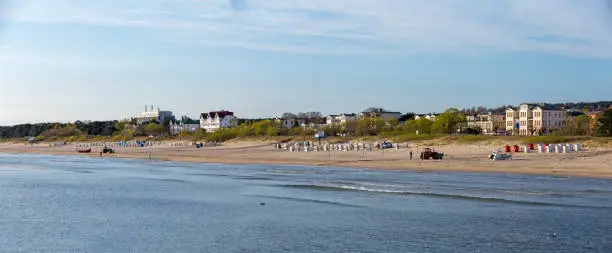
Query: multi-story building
[
  {"x": 489, "y": 122},
  {"x": 531, "y": 119},
  {"x": 526, "y": 119},
  {"x": 547, "y": 118},
  {"x": 184, "y": 125},
  {"x": 340, "y": 119},
  {"x": 213, "y": 121},
  {"x": 291, "y": 122},
  {"x": 512, "y": 119},
  {"x": 179, "y": 126},
  {"x": 151, "y": 115},
  {"x": 374, "y": 112}
]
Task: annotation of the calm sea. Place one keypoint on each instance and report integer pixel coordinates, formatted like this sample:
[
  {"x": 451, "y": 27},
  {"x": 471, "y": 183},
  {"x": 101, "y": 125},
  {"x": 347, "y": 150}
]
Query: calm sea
[{"x": 77, "y": 204}]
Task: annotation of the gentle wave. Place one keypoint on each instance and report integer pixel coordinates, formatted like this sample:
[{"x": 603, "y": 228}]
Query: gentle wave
[
  {"x": 307, "y": 200},
  {"x": 431, "y": 194},
  {"x": 454, "y": 188}
]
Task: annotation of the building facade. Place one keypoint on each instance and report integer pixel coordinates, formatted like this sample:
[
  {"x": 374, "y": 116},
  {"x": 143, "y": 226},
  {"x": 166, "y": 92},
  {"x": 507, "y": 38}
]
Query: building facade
[
  {"x": 526, "y": 119},
  {"x": 152, "y": 115},
  {"x": 530, "y": 119},
  {"x": 489, "y": 122},
  {"x": 340, "y": 119},
  {"x": 374, "y": 112},
  {"x": 431, "y": 117},
  {"x": 512, "y": 117},
  {"x": 177, "y": 127},
  {"x": 546, "y": 119},
  {"x": 213, "y": 121}
]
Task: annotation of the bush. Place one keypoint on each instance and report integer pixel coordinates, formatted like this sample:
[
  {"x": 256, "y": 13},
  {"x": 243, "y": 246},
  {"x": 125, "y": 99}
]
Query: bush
[
  {"x": 272, "y": 131},
  {"x": 185, "y": 134},
  {"x": 66, "y": 131},
  {"x": 222, "y": 135}
]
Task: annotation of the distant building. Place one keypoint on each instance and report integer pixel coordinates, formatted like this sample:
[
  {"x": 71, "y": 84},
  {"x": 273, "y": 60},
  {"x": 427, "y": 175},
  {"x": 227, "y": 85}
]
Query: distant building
[
  {"x": 292, "y": 122},
  {"x": 176, "y": 127},
  {"x": 374, "y": 112},
  {"x": 547, "y": 118},
  {"x": 489, "y": 122},
  {"x": 512, "y": 117},
  {"x": 213, "y": 121},
  {"x": 151, "y": 115},
  {"x": 431, "y": 117},
  {"x": 340, "y": 119},
  {"x": 289, "y": 123},
  {"x": 533, "y": 119}
]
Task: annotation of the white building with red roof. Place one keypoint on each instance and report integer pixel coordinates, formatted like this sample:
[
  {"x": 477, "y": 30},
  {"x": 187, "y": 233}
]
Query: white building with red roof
[{"x": 213, "y": 121}]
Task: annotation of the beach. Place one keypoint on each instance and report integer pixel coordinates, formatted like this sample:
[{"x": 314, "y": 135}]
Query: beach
[{"x": 590, "y": 162}]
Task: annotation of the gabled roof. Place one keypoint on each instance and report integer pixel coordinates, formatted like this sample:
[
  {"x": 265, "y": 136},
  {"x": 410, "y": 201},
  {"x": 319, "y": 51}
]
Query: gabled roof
[
  {"x": 221, "y": 114},
  {"x": 548, "y": 107},
  {"x": 342, "y": 114},
  {"x": 377, "y": 110},
  {"x": 530, "y": 105}
]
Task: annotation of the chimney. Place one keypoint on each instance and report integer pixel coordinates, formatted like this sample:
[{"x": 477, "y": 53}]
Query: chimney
[{"x": 145, "y": 108}]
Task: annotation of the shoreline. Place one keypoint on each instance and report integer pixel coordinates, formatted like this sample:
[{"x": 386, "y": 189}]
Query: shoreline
[{"x": 471, "y": 158}]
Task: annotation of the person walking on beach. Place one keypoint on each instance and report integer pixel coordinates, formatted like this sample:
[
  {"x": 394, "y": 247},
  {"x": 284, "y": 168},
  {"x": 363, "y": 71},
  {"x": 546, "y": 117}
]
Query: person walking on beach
[{"x": 410, "y": 155}]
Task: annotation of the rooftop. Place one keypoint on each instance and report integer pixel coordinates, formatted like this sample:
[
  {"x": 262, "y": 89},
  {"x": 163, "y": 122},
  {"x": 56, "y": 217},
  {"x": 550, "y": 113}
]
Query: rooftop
[
  {"x": 377, "y": 110},
  {"x": 221, "y": 114}
]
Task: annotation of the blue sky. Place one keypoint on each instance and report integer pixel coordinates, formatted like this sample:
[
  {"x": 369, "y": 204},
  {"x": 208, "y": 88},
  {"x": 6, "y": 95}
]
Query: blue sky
[{"x": 63, "y": 60}]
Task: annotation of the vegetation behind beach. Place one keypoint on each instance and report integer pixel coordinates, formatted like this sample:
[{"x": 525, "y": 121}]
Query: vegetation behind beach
[{"x": 444, "y": 129}]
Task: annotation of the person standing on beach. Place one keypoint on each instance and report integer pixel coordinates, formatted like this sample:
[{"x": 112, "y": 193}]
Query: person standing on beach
[{"x": 410, "y": 155}]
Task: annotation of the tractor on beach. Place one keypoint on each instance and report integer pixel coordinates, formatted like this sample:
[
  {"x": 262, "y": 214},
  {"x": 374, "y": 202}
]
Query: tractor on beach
[{"x": 429, "y": 153}]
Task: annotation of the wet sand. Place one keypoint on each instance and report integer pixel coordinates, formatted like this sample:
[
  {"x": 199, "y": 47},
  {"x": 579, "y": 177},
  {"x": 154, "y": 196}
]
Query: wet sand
[{"x": 593, "y": 162}]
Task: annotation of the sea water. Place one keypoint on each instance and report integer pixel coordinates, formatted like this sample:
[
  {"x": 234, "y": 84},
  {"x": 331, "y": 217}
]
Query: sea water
[{"x": 76, "y": 204}]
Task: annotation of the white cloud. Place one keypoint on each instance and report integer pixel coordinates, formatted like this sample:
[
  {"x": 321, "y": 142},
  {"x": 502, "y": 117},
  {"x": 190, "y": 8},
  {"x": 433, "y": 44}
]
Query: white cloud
[{"x": 568, "y": 27}]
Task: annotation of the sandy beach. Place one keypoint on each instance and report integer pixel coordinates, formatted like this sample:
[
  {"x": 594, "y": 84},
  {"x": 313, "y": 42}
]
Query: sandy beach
[{"x": 595, "y": 162}]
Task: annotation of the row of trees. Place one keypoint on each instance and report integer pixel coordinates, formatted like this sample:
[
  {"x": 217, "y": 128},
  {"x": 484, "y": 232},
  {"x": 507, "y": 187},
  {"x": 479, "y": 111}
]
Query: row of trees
[
  {"x": 584, "y": 125},
  {"x": 446, "y": 123},
  {"x": 80, "y": 128},
  {"x": 302, "y": 115}
]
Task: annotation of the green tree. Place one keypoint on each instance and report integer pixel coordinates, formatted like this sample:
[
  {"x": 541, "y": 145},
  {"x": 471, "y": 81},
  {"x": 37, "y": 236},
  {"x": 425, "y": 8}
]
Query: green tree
[
  {"x": 62, "y": 131},
  {"x": 362, "y": 127},
  {"x": 261, "y": 128},
  {"x": 576, "y": 126},
  {"x": 245, "y": 130},
  {"x": 272, "y": 131},
  {"x": 332, "y": 130},
  {"x": 350, "y": 127},
  {"x": 407, "y": 117},
  {"x": 447, "y": 122},
  {"x": 605, "y": 124},
  {"x": 422, "y": 125},
  {"x": 200, "y": 134},
  {"x": 154, "y": 129},
  {"x": 391, "y": 125}
]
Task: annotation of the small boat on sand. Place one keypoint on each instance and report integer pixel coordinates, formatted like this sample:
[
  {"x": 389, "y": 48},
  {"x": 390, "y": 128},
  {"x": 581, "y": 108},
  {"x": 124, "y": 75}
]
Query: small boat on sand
[{"x": 84, "y": 150}]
